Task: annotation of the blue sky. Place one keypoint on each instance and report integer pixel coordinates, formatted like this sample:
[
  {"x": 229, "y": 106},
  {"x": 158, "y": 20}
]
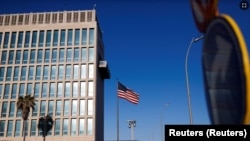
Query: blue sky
[{"x": 145, "y": 46}]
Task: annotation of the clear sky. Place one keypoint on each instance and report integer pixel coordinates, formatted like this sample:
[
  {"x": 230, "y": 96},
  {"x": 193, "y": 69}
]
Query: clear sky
[{"x": 145, "y": 46}]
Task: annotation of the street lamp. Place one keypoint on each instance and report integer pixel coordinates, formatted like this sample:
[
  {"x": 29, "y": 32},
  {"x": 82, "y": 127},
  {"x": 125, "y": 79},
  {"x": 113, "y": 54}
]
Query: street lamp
[
  {"x": 132, "y": 124},
  {"x": 186, "y": 68},
  {"x": 165, "y": 106}
]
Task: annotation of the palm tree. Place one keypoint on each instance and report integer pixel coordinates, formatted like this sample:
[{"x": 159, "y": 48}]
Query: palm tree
[
  {"x": 45, "y": 124},
  {"x": 24, "y": 104}
]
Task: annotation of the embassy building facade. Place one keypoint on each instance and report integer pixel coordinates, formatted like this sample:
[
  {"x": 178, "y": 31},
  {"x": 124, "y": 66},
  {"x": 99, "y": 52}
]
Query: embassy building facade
[{"x": 57, "y": 57}]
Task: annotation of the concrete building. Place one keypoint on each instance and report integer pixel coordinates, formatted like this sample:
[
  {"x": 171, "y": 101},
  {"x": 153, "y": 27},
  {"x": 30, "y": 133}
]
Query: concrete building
[{"x": 57, "y": 57}]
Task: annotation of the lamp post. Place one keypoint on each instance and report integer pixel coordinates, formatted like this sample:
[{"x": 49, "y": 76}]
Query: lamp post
[
  {"x": 132, "y": 124},
  {"x": 165, "y": 106},
  {"x": 186, "y": 69}
]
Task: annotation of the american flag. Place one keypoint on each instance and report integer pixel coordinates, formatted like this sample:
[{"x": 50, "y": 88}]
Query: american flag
[{"x": 128, "y": 94}]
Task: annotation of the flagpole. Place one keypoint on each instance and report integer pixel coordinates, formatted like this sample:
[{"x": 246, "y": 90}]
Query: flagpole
[{"x": 117, "y": 118}]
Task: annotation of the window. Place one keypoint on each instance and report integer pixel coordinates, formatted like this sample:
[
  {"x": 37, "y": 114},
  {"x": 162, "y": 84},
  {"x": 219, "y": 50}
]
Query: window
[
  {"x": 76, "y": 68},
  {"x": 75, "y": 18},
  {"x": 89, "y": 16},
  {"x": 48, "y": 38},
  {"x": 69, "y": 55},
  {"x": 4, "y": 57},
  {"x": 67, "y": 89},
  {"x": 6, "y": 91},
  {"x": 82, "y": 107},
  {"x": 40, "y": 18},
  {"x": 34, "y": 112},
  {"x": 38, "y": 72},
  {"x": 51, "y": 108},
  {"x": 68, "y": 17},
  {"x": 40, "y": 56},
  {"x": 44, "y": 90},
  {"x": 27, "y": 39},
  {"x": 34, "y": 39},
  {"x": 13, "y": 40},
  {"x": 9, "y": 74},
  {"x": 77, "y": 37},
  {"x": 32, "y": 56},
  {"x": 7, "y": 20},
  {"x": 91, "y": 71},
  {"x": 23, "y": 73},
  {"x": 41, "y": 39},
  {"x": 11, "y": 57},
  {"x": 57, "y": 127},
  {"x": 13, "y": 20},
  {"x": 61, "y": 55},
  {"x": 62, "y": 39},
  {"x": 9, "y": 128},
  {"x": 54, "y": 55},
  {"x": 65, "y": 126},
  {"x": 31, "y": 73},
  {"x": 1, "y": 34},
  {"x": 84, "y": 36},
  {"x": 83, "y": 71},
  {"x": 53, "y": 73},
  {"x": 45, "y": 72},
  {"x": 61, "y": 72},
  {"x": 90, "y": 107},
  {"x": 68, "y": 71},
  {"x": 47, "y": 18},
  {"x": 91, "y": 36},
  {"x": 37, "y": 90},
  {"x": 58, "y": 107},
  {"x": 29, "y": 88},
  {"x": 1, "y": 88},
  {"x": 1, "y": 21},
  {"x": 83, "y": 89},
  {"x": 34, "y": 19},
  {"x": 74, "y": 108},
  {"x": 17, "y": 128},
  {"x": 90, "y": 126},
  {"x": 2, "y": 128},
  {"x": 2, "y": 70},
  {"x": 4, "y": 109},
  {"x": 82, "y": 16},
  {"x": 47, "y": 56},
  {"x": 33, "y": 127},
  {"x": 73, "y": 126},
  {"x": 20, "y": 40},
  {"x": 6, "y": 40},
  {"x": 52, "y": 90},
  {"x": 76, "y": 54},
  {"x": 54, "y": 17},
  {"x": 81, "y": 126},
  {"x": 18, "y": 56},
  {"x": 21, "y": 89},
  {"x": 13, "y": 91},
  {"x": 91, "y": 54},
  {"x": 26, "y": 19},
  {"x": 43, "y": 108},
  {"x": 20, "y": 19},
  {"x": 59, "y": 89},
  {"x": 75, "y": 89},
  {"x": 60, "y": 17},
  {"x": 25, "y": 56},
  {"x": 84, "y": 54},
  {"x": 55, "y": 38},
  {"x": 90, "y": 88},
  {"x": 66, "y": 108},
  {"x": 12, "y": 109},
  {"x": 70, "y": 36}
]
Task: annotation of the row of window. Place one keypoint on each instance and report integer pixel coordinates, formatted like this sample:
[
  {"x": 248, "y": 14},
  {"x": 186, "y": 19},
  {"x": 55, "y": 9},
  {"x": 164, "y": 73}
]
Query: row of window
[
  {"x": 53, "y": 108},
  {"x": 13, "y": 128},
  {"x": 53, "y": 72},
  {"x": 47, "y": 38},
  {"x": 47, "y": 56},
  {"x": 45, "y": 90},
  {"x": 46, "y": 18}
]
